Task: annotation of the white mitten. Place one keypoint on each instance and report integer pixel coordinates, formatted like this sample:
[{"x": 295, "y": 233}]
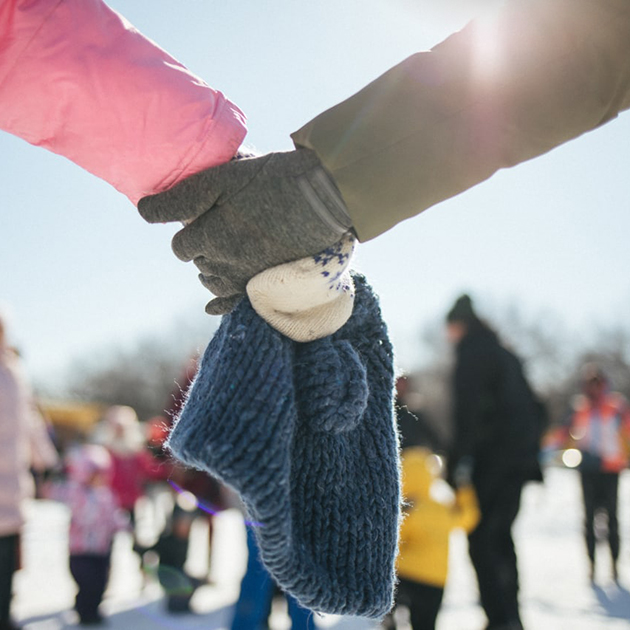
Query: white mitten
[{"x": 309, "y": 298}]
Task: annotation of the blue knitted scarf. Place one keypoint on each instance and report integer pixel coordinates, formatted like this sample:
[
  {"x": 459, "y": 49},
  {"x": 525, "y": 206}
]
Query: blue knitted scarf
[{"x": 305, "y": 433}]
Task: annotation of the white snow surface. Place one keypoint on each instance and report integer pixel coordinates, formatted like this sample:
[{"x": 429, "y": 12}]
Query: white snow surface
[{"x": 556, "y": 593}]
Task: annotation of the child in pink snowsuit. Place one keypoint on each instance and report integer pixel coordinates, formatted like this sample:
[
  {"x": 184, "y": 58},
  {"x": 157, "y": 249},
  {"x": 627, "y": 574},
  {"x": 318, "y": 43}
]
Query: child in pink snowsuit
[{"x": 94, "y": 519}]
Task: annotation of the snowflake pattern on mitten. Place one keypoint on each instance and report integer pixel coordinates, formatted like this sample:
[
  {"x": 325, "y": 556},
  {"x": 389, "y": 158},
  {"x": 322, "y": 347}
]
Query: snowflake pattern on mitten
[{"x": 309, "y": 298}]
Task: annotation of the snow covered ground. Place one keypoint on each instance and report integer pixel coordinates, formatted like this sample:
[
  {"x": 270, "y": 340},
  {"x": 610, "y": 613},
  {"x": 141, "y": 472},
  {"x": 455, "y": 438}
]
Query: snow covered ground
[{"x": 556, "y": 592}]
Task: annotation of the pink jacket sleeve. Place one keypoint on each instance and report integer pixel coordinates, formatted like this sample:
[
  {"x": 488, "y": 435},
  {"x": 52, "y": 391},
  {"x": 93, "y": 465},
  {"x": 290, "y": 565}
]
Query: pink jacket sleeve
[{"x": 79, "y": 80}]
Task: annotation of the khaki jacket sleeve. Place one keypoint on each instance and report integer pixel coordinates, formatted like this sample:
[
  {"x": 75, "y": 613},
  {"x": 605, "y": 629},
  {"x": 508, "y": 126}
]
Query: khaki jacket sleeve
[{"x": 503, "y": 90}]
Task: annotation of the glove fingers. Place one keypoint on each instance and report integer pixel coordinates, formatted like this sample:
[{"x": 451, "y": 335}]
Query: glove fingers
[
  {"x": 221, "y": 286},
  {"x": 196, "y": 194},
  {"x": 185, "y": 201},
  {"x": 223, "y": 305},
  {"x": 191, "y": 242}
]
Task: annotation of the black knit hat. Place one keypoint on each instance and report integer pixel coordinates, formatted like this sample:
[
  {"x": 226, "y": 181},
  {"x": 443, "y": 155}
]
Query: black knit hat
[{"x": 462, "y": 311}]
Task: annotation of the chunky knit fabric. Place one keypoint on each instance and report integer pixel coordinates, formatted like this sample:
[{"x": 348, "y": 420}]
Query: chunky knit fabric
[{"x": 305, "y": 433}]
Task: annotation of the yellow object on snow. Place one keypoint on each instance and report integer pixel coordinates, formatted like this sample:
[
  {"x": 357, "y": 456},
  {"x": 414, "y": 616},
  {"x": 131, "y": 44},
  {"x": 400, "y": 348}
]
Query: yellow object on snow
[{"x": 425, "y": 531}]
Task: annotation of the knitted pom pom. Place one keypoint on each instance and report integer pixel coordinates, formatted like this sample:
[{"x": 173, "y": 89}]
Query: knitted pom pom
[
  {"x": 331, "y": 384},
  {"x": 305, "y": 433}
]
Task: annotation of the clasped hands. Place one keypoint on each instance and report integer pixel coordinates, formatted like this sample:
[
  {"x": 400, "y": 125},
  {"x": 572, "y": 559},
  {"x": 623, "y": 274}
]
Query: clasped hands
[{"x": 254, "y": 214}]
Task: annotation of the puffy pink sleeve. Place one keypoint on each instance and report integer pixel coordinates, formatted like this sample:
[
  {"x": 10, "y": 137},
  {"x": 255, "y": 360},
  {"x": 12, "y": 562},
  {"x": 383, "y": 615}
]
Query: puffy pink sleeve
[{"x": 79, "y": 80}]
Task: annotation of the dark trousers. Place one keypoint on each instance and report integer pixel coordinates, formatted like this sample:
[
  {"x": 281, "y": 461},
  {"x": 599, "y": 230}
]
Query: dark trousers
[
  {"x": 492, "y": 551},
  {"x": 91, "y": 573},
  {"x": 177, "y": 584},
  {"x": 8, "y": 566},
  {"x": 599, "y": 490},
  {"x": 423, "y": 601}
]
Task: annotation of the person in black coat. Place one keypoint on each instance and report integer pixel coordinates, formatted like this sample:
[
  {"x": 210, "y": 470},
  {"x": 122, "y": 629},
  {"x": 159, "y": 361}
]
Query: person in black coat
[{"x": 497, "y": 425}]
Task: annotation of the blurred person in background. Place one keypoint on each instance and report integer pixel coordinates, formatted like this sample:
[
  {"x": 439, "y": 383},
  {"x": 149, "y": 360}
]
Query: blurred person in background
[
  {"x": 497, "y": 427},
  {"x": 24, "y": 446},
  {"x": 95, "y": 517},
  {"x": 133, "y": 465},
  {"x": 171, "y": 554},
  {"x": 195, "y": 495},
  {"x": 166, "y": 556},
  {"x": 598, "y": 425},
  {"x": 432, "y": 512}
]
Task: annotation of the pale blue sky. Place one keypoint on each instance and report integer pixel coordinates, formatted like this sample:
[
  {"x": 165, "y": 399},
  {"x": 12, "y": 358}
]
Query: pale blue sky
[{"x": 79, "y": 269}]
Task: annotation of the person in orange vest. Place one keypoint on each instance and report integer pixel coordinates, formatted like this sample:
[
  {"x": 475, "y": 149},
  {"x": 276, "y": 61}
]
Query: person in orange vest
[
  {"x": 431, "y": 515},
  {"x": 599, "y": 427}
]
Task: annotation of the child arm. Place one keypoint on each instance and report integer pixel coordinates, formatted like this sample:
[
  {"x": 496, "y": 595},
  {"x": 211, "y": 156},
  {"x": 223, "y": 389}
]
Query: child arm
[{"x": 77, "y": 79}]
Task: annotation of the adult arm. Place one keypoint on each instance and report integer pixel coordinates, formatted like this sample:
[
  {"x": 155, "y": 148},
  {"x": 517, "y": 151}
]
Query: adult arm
[
  {"x": 77, "y": 79},
  {"x": 503, "y": 90}
]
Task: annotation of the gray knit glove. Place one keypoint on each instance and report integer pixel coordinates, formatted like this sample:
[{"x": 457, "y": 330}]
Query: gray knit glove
[{"x": 248, "y": 215}]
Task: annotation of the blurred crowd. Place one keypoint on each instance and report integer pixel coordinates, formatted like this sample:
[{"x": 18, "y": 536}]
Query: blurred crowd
[{"x": 501, "y": 436}]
